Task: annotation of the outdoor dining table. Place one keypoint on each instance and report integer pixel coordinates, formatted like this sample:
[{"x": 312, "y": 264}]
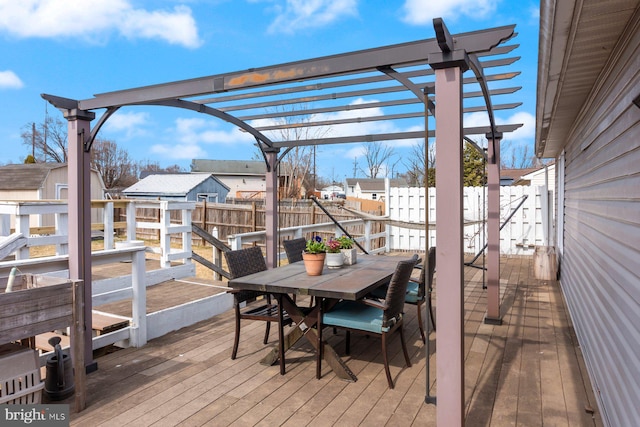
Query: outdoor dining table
[{"x": 351, "y": 282}]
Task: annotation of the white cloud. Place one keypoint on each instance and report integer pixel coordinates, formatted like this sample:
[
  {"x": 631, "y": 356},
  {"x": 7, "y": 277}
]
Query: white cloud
[
  {"x": 198, "y": 130},
  {"x": 365, "y": 128},
  {"x": 10, "y": 80},
  {"x": 420, "y": 12},
  {"x": 94, "y": 20},
  {"x": 303, "y": 14},
  {"x": 132, "y": 124},
  {"x": 178, "y": 151},
  {"x": 190, "y": 135},
  {"x": 525, "y": 133}
]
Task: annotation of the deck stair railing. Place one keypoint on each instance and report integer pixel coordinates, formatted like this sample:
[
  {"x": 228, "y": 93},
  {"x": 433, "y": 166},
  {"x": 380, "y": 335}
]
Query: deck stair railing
[{"x": 366, "y": 238}]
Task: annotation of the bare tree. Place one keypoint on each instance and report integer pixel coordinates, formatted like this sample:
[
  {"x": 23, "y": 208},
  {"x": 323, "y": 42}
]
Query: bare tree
[
  {"x": 377, "y": 156},
  {"x": 47, "y": 141},
  {"x": 113, "y": 163},
  {"x": 297, "y": 166},
  {"x": 519, "y": 158},
  {"x": 416, "y": 165},
  {"x": 149, "y": 166}
]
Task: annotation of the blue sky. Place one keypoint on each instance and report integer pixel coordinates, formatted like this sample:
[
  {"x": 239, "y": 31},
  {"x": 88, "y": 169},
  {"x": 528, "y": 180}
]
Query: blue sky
[{"x": 75, "y": 49}]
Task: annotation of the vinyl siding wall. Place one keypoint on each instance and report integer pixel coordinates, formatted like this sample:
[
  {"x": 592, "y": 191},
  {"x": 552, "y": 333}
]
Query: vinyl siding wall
[{"x": 600, "y": 260}]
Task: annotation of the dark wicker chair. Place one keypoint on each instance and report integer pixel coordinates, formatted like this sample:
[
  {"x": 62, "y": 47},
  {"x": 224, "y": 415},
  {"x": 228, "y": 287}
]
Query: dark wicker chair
[
  {"x": 418, "y": 292},
  {"x": 241, "y": 263},
  {"x": 294, "y": 249},
  {"x": 372, "y": 316}
]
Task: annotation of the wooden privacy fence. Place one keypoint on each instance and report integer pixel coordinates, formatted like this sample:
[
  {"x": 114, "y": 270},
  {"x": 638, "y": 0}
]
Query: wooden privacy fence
[{"x": 234, "y": 219}]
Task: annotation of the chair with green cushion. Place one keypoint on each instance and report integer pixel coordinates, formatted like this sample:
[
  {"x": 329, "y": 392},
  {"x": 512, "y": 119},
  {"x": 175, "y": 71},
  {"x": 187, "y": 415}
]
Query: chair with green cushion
[
  {"x": 371, "y": 316},
  {"x": 419, "y": 292},
  {"x": 243, "y": 262}
]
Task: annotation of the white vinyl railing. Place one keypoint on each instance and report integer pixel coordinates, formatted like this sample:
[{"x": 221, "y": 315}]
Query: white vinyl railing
[
  {"x": 22, "y": 213},
  {"x": 142, "y": 326},
  {"x": 238, "y": 240}
]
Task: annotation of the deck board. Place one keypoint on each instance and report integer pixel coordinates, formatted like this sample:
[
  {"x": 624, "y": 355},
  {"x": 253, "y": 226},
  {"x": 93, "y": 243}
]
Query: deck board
[{"x": 527, "y": 371}]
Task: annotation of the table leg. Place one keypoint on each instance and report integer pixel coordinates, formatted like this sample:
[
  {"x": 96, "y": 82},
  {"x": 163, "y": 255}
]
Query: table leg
[{"x": 304, "y": 327}]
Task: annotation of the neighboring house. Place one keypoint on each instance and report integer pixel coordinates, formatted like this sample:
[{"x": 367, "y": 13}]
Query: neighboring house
[
  {"x": 44, "y": 181},
  {"x": 546, "y": 175},
  {"x": 511, "y": 176},
  {"x": 245, "y": 178},
  {"x": 371, "y": 188},
  {"x": 588, "y": 120},
  {"x": 192, "y": 187},
  {"x": 331, "y": 192}
]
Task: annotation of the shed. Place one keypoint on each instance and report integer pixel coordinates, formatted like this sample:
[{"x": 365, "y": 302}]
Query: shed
[
  {"x": 192, "y": 187},
  {"x": 44, "y": 181},
  {"x": 588, "y": 120}
]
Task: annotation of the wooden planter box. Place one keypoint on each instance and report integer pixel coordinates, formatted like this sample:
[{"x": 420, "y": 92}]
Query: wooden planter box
[{"x": 39, "y": 304}]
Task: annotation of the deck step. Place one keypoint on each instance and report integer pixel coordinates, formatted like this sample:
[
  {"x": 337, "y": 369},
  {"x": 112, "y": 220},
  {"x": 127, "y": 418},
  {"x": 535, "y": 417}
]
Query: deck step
[
  {"x": 103, "y": 323},
  {"x": 42, "y": 341}
]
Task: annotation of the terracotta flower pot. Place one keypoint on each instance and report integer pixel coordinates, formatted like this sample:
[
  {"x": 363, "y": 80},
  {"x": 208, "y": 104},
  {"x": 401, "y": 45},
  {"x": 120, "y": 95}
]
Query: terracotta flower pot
[{"x": 313, "y": 263}]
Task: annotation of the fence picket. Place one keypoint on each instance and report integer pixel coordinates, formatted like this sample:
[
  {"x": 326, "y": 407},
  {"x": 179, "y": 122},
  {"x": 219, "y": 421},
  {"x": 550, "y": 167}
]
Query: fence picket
[{"x": 520, "y": 235}]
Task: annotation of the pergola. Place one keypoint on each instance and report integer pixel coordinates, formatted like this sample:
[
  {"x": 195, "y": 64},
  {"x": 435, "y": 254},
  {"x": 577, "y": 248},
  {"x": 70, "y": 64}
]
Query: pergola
[{"x": 392, "y": 85}]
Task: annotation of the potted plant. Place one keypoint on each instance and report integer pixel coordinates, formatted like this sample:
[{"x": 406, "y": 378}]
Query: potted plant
[
  {"x": 314, "y": 255},
  {"x": 335, "y": 259},
  {"x": 348, "y": 250}
]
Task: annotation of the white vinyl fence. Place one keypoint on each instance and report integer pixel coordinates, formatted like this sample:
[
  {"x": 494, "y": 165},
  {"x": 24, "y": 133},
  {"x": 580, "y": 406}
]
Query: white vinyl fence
[{"x": 530, "y": 226}]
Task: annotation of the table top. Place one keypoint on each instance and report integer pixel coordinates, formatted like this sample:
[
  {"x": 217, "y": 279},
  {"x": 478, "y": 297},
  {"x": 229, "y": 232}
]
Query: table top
[{"x": 351, "y": 282}]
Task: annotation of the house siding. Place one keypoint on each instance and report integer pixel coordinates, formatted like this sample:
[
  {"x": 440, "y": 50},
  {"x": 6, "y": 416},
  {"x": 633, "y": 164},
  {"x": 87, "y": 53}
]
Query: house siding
[{"x": 600, "y": 259}]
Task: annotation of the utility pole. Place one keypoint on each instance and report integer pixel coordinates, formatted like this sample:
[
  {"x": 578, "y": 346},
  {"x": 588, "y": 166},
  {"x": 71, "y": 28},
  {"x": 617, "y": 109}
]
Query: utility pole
[
  {"x": 314, "y": 169},
  {"x": 46, "y": 126},
  {"x": 33, "y": 140}
]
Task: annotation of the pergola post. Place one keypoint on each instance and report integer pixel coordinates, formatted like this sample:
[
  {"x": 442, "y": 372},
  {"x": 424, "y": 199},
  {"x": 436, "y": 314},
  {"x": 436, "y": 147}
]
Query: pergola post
[
  {"x": 493, "y": 230},
  {"x": 79, "y": 176},
  {"x": 449, "y": 249},
  {"x": 271, "y": 207}
]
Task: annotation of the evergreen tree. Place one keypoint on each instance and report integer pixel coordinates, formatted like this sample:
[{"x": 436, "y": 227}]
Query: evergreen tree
[{"x": 473, "y": 164}]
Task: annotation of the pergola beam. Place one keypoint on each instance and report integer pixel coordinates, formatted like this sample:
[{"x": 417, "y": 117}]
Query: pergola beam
[
  {"x": 358, "y": 93},
  {"x": 412, "y": 115},
  {"x": 349, "y": 107},
  {"x": 336, "y": 65},
  {"x": 480, "y": 130},
  {"x": 450, "y": 63}
]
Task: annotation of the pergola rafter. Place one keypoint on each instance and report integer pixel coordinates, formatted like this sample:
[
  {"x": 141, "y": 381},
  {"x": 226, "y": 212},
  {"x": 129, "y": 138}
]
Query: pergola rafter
[{"x": 363, "y": 87}]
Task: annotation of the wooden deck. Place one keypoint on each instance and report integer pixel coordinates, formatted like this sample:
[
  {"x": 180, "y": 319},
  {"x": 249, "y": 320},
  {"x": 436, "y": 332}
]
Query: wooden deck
[{"x": 528, "y": 371}]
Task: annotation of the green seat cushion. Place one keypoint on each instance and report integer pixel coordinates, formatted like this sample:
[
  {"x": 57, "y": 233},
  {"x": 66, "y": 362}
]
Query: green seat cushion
[
  {"x": 354, "y": 315},
  {"x": 411, "y": 296},
  {"x": 412, "y": 293}
]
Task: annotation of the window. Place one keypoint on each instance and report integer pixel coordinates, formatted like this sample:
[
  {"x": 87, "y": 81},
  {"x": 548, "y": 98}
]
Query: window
[
  {"x": 208, "y": 197},
  {"x": 374, "y": 196}
]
